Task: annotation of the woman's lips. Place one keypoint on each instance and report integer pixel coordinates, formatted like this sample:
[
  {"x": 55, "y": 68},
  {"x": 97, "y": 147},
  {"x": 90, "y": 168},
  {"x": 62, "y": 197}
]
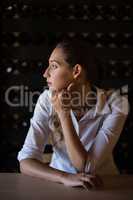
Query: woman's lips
[{"x": 49, "y": 83}]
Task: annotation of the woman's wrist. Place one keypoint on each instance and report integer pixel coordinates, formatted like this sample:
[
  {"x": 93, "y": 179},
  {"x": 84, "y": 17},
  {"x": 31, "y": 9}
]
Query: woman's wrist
[{"x": 64, "y": 114}]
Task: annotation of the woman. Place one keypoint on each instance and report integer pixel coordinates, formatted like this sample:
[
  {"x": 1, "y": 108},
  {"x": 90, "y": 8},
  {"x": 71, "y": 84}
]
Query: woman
[{"x": 83, "y": 121}]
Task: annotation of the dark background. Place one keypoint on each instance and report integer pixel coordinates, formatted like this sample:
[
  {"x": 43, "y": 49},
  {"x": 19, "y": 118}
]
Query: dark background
[{"x": 29, "y": 29}]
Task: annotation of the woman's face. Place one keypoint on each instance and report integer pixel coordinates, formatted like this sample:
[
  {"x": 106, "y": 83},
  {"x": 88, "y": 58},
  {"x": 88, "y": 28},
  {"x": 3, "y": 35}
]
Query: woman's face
[{"x": 58, "y": 74}]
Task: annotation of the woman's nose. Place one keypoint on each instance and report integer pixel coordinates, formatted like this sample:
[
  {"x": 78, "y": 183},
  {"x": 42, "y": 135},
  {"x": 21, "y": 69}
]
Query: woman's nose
[{"x": 46, "y": 73}]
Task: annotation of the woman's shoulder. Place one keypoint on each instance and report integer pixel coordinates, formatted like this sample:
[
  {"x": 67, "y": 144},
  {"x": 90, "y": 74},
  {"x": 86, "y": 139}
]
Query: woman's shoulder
[
  {"x": 118, "y": 101},
  {"x": 114, "y": 100}
]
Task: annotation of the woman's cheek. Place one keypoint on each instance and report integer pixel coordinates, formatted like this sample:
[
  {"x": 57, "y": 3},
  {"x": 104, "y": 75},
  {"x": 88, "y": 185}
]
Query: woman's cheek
[{"x": 61, "y": 80}]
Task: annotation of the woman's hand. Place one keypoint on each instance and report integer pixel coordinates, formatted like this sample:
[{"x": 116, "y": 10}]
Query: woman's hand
[
  {"x": 81, "y": 179},
  {"x": 61, "y": 101}
]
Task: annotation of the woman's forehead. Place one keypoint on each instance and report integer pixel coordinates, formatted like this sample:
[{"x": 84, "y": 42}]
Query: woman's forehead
[{"x": 57, "y": 55}]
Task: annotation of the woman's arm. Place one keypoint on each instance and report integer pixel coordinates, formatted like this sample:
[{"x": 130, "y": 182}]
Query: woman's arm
[
  {"x": 77, "y": 153},
  {"x": 75, "y": 149},
  {"x": 39, "y": 169},
  {"x": 105, "y": 141},
  {"x": 35, "y": 168}
]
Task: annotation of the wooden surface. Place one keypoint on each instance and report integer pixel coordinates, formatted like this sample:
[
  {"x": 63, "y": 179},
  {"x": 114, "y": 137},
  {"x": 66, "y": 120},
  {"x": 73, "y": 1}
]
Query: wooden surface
[{"x": 15, "y": 186}]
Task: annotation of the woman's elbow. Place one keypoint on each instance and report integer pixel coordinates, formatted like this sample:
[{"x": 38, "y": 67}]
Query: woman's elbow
[{"x": 24, "y": 165}]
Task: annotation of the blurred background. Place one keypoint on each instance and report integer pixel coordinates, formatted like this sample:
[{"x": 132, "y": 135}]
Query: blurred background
[{"x": 29, "y": 30}]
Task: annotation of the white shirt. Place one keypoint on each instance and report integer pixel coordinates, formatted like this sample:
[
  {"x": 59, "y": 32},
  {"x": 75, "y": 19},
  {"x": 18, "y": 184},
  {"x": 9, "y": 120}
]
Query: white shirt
[{"x": 98, "y": 130}]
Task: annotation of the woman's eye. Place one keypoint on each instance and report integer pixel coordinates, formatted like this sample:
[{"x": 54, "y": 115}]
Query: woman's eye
[{"x": 53, "y": 66}]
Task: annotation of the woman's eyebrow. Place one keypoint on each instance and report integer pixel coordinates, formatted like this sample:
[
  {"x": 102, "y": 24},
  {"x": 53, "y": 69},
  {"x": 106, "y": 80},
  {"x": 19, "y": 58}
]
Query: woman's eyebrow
[{"x": 55, "y": 61}]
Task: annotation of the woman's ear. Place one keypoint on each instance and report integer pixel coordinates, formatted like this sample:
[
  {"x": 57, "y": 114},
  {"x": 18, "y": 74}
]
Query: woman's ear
[{"x": 77, "y": 71}]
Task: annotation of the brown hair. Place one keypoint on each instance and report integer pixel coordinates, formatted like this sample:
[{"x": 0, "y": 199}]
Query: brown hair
[{"x": 77, "y": 51}]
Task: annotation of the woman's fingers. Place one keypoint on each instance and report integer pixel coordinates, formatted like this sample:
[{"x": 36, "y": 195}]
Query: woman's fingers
[
  {"x": 71, "y": 87},
  {"x": 65, "y": 98},
  {"x": 87, "y": 185},
  {"x": 87, "y": 181},
  {"x": 91, "y": 181}
]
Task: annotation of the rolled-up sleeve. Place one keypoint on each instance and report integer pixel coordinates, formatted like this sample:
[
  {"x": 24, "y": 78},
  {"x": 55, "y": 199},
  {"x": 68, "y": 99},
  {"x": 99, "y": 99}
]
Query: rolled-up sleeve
[
  {"x": 107, "y": 135},
  {"x": 37, "y": 136}
]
